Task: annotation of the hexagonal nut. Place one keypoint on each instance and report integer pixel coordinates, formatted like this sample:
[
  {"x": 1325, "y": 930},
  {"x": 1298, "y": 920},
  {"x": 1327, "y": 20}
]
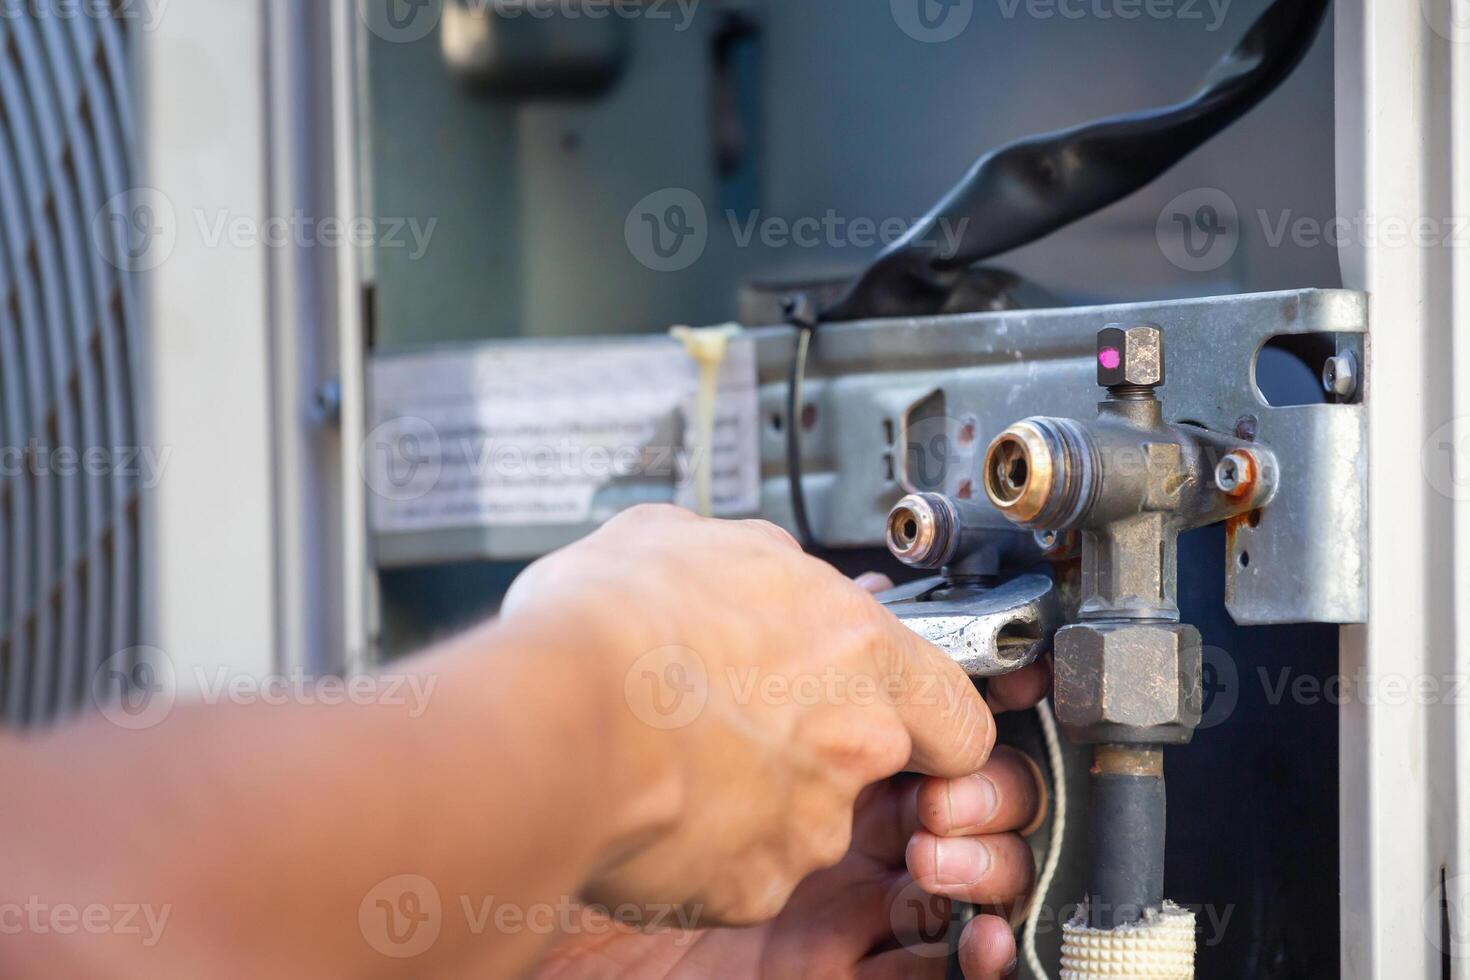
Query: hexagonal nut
[
  {"x": 1129, "y": 683},
  {"x": 1130, "y": 356}
]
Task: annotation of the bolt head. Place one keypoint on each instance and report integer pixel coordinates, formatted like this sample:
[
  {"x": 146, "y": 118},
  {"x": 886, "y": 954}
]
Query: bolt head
[
  {"x": 1340, "y": 375},
  {"x": 1130, "y": 356},
  {"x": 1129, "y": 683}
]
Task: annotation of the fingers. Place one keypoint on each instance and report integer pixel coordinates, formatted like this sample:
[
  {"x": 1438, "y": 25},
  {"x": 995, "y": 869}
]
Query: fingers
[
  {"x": 840, "y": 916},
  {"x": 1004, "y": 796},
  {"x": 923, "y": 963},
  {"x": 992, "y": 870},
  {"x": 873, "y": 582},
  {"x": 915, "y": 918},
  {"x": 988, "y": 949},
  {"x": 886, "y": 817},
  {"x": 836, "y": 916},
  {"x": 947, "y": 719},
  {"x": 959, "y": 726},
  {"x": 1021, "y": 690}
]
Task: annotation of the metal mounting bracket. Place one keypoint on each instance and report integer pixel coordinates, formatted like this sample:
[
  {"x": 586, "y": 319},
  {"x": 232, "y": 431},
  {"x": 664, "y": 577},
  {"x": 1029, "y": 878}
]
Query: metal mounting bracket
[
  {"x": 894, "y": 407},
  {"x": 912, "y": 403}
]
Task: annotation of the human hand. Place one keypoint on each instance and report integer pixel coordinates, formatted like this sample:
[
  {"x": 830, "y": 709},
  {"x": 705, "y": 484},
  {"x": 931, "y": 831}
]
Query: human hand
[
  {"x": 760, "y": 692},
  {"x": 867, "y": 918}
]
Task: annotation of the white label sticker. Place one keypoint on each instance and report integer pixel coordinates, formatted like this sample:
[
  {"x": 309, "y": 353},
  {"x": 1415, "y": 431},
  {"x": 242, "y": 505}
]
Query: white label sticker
[{"x": 553, "y": 433}]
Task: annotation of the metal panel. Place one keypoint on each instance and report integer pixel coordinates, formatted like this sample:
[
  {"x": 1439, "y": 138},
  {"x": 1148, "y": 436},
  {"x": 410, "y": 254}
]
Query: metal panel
[
  {"x": 1305, "y": 559},
  {"x": 248, "y": 110},
  {"x": 208, "y": 393},
  {"x": 315, "y": 338},
  {"x": 1403, "y": 155},
  {"x": 1302, "y": 561}
]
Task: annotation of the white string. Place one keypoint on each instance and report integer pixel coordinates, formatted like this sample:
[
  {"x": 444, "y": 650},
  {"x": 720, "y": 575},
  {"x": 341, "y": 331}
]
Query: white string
[{"x": 1058, "y": 830}]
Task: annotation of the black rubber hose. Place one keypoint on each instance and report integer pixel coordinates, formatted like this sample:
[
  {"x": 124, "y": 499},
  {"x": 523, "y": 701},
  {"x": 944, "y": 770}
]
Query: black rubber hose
[
  {"x": 1029, "y": 189},
  {"x": 1125, "y": 844}
]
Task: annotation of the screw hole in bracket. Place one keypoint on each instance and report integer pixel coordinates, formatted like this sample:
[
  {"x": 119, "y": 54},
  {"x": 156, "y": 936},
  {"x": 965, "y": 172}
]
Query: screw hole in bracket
[{"x": 1289, "y": 368}]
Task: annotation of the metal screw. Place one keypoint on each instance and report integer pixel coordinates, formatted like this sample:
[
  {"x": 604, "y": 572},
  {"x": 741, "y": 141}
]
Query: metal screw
[
  {"x": 1340, "y": 375},
  {"x": 327, "y": 409},
  {"x": 1233, "y": 473},
  {"x": 1057, "y": 545}
]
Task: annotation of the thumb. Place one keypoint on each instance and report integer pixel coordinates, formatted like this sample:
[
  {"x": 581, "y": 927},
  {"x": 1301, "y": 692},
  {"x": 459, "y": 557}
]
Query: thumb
[{"x": 951, "y": 727}]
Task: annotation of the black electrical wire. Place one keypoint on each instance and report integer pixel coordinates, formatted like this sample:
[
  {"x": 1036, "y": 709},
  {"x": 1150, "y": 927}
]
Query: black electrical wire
[
  {"x": 801, "y": 314},
  {"x": 1029, "y": 189},
  {"x": 1025, "y": 191}
]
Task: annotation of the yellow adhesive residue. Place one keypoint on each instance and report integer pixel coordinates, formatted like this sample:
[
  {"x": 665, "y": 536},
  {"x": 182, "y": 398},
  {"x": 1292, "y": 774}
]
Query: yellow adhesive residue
[{"x": 708, "y": 346}]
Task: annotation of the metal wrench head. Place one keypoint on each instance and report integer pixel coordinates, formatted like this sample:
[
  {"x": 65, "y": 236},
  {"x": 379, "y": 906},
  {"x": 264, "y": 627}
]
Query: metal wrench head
[{"x": 990, "y": 633}]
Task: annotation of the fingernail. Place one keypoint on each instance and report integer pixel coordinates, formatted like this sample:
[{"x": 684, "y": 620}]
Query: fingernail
[
  {"x": 972, "y": 802},
  {"x": 874, "y": 582},
  {"x": 960, "y": 861},
  {"x": 1013, "y": 969}
]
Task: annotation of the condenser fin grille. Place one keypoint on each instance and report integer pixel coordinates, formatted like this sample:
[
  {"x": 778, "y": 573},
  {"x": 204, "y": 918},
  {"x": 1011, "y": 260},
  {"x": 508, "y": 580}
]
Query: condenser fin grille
[{"x": 69, "y": 332}]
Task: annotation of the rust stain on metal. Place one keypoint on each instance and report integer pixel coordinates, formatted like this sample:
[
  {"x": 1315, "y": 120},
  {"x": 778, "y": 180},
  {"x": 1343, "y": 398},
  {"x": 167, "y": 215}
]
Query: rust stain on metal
[
  {"x": 1249, "y": 477},
  {"x": 1232, "y": 527},
  {"x": 1127, "y": 760}
]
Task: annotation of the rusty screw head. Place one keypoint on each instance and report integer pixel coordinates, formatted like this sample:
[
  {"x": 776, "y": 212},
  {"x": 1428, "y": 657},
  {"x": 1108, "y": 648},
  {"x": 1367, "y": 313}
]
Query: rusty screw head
[
  {"x": 1235, "y": 473},
  {"x": 1130, "y": 357}
]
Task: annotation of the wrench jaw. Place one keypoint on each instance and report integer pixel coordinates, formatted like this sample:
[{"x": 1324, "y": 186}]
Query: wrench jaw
[{"x": 988, "y": 632}]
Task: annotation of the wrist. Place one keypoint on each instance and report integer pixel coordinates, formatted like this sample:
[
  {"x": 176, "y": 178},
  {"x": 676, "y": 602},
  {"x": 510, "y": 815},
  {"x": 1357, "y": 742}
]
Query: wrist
[{"x": 564, "y": 686}]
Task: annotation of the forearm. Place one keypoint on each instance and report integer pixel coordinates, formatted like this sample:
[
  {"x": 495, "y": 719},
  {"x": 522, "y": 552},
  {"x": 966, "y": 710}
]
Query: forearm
[{"x": 255, "y": 836}]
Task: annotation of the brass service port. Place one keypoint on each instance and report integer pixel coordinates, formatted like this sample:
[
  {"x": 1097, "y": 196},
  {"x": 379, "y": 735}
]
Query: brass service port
[
  {"x": 1039, "y": 473},
  {"x": 924, "y": 530},
  {"x": 1018, "y": 472}
]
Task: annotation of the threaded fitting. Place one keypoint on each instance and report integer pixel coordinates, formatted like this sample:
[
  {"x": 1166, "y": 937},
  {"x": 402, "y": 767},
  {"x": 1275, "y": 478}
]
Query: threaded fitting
[
  {"x": 1042, "y": 473},
  {"x": 924, "y": 530}
]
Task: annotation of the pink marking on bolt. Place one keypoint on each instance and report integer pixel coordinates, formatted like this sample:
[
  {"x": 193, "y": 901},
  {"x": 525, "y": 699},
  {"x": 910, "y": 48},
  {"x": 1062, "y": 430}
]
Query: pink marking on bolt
[{"x": 1110, "y": 358}]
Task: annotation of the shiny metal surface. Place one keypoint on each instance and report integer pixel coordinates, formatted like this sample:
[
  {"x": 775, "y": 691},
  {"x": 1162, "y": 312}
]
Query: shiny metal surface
[{"x": 988, "y": 633}]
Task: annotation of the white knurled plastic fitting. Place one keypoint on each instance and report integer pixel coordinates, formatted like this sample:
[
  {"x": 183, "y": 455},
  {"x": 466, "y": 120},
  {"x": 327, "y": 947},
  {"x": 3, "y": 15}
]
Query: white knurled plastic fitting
[{"x": 1161, "y": 947}]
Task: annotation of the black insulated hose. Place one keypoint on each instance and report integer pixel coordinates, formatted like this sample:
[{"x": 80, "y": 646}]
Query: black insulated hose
[
  {"x": 1029, "y": 189},
  {"x": 1125, "y": 836}
]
